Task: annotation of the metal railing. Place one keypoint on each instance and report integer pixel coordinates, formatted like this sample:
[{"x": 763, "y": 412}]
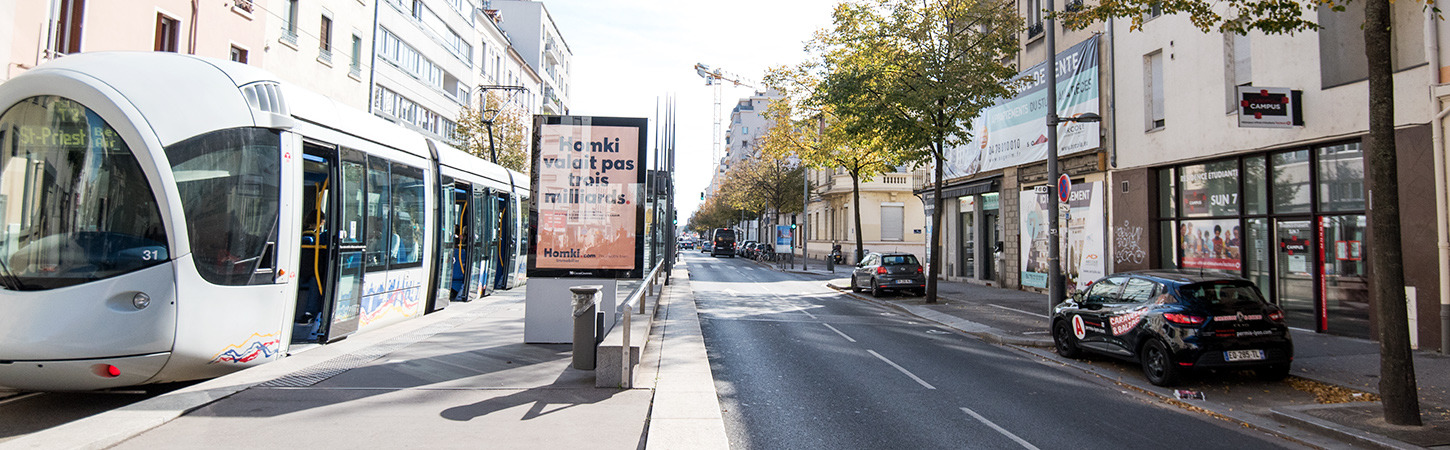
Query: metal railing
[{"x": 636, "y": 300}]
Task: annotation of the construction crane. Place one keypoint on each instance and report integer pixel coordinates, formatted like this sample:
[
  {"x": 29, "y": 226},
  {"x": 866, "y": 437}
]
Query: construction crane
[{"x": 718, "y": 78}]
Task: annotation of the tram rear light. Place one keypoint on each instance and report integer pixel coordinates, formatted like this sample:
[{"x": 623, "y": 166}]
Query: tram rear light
[
  {"x": 141, "y": 300},
  {"x": 107, "y": 371}
]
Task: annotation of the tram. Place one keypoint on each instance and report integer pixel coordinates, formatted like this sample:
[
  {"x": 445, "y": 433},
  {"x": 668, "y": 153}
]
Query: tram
[{"x": 169, "y": 217}]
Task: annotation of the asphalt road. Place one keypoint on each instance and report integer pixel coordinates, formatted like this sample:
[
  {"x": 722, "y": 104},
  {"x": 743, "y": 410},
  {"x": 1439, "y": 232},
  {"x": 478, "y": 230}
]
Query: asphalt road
[{"x": 798, "y": 365}]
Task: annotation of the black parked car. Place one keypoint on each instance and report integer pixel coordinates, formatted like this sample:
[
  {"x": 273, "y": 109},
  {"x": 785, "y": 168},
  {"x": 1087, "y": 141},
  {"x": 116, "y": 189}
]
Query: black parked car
[
  {"x": 1172, "y": 322},
  {"x": 881, "y": 272}
]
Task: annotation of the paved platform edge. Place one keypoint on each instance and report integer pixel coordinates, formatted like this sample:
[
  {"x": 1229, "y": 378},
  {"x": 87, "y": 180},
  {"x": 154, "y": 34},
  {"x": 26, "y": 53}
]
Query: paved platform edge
[
  {"x": 110, "y": 428},
  {"x": 686, "y": 410}
]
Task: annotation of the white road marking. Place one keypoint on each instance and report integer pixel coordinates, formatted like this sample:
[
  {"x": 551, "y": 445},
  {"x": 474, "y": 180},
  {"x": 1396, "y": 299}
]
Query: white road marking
[
  {"x": 838, "y": 332},
  {"x": 902, "y": 369},
  {"x": 1044, "y": 316},
  {"x": 1004, "y": 432}
]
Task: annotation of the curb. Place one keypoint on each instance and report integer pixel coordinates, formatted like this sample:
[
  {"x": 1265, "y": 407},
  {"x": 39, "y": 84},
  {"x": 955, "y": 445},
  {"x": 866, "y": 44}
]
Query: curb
[{"x": 1295, "y": 415}]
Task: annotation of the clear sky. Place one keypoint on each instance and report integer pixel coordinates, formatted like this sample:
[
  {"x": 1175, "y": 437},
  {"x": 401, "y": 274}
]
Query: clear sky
[{"x": 630, "y": 54}]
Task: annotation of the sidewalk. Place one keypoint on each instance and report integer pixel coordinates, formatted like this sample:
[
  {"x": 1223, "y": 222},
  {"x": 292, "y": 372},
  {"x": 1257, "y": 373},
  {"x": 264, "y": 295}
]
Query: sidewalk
[
  {"x": 1341, "y": 366},
  {"x": 459, "y": 378}
]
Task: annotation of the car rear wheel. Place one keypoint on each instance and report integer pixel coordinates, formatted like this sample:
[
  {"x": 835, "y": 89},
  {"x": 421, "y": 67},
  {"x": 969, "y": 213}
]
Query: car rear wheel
[
  {"x": 1158, "y": 364},
  {"x": 1065, "y": 341}
]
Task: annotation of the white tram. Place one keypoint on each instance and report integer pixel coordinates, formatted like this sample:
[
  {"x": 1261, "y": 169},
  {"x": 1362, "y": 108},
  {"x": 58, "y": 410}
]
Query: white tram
[{"x": 168, "y": 217}]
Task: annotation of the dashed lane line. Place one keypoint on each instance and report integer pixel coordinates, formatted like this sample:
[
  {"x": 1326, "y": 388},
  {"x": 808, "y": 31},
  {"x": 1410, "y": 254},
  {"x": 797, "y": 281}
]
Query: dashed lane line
[
  {"x": 1004, "y": 432},
  {"x": 902, "y": 369}
]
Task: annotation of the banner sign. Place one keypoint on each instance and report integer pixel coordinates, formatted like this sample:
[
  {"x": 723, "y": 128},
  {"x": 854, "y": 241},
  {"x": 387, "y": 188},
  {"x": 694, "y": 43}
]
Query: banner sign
[
  {"x": 1082, "y": 227},
  {"x": 587, "y": 208},
  {"x": 1211, "y": 244},
  {"x": 1014, "y": 131}
]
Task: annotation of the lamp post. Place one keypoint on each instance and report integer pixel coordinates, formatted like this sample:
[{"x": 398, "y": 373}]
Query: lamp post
[
  {"x": 487, "y": 118},
  {"x": 1055, "y": 289}
]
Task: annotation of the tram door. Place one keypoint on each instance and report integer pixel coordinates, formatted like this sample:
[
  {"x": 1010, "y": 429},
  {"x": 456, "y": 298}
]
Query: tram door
[
  {"x": 330, "y": 269},
  {"x": 487, "y": 245},
  {"x": 462, "y": 248},
  {"x": 503, "y": 240},
  {"x": 447, "y": 227}
]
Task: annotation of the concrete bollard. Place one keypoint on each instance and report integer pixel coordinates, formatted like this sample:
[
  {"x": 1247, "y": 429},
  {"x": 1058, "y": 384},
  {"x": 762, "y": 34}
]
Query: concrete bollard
[{"x": 585, "y": 340}]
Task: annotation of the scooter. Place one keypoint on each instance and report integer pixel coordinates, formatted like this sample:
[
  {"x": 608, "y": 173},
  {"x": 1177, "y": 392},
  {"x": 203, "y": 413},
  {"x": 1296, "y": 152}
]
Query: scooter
[{"x": 836, "y": 254}]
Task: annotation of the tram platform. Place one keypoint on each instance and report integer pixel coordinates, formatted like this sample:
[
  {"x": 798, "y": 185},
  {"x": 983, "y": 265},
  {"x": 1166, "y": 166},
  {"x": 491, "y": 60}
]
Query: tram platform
[{"x": 459, "y": 378}]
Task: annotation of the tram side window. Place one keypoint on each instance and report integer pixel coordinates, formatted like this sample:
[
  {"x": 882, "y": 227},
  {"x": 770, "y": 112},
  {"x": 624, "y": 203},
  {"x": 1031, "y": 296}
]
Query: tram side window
[
  {"x": 229, "y": 183},
  {"x": 408, "y": 218},
  {"x": 74, "y": 203},
  {"x": 379, "y": 210}
]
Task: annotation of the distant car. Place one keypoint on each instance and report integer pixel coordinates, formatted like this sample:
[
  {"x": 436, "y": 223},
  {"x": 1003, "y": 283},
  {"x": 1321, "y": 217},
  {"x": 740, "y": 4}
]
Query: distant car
[
  {"x": 705, "y": 247},
  {"x": 881, "y": 272},
  {"x": 687, "y": 244},
  {"x": 1171, "y": 322},
  {"x": 747, "y": 249},
  {"x": 723, "y": 242}
]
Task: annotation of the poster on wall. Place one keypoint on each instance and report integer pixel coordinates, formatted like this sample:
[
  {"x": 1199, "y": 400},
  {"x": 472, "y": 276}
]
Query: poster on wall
[
  {"x": 1082, "y": 223},
  {"x": 1211, "y": 244},
  {"x": 1013, "y": 131},
  {"x": 587, "y": 208}
]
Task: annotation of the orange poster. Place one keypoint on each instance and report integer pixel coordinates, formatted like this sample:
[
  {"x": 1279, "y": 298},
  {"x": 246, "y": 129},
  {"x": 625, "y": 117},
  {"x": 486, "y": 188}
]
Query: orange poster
[{"x": 588, "y": 196}]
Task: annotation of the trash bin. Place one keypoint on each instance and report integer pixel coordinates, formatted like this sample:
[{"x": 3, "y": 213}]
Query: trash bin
[{"x": 585, "y": 325}]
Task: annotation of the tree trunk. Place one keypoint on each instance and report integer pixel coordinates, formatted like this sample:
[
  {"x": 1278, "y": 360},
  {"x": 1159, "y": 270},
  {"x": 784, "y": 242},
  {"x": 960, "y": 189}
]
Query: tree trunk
[
  {"x": 1397, "y": 365},
  {"x": 856, "y": 208},
  {"x": 936, "y": 231}
]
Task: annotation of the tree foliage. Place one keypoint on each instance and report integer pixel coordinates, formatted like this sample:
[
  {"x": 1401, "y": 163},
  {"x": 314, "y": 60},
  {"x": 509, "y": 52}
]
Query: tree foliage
[
  {"x": 913, "y": 73},
  {"x": 510, "y": 132},
  {"x": 764, "y": 184}
]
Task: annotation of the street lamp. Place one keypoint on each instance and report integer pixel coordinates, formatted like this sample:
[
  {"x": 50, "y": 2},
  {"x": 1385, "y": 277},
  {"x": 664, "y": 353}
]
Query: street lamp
[
  {"x": 487, "y": 116},
  {"x": 1055, "y": 289}
]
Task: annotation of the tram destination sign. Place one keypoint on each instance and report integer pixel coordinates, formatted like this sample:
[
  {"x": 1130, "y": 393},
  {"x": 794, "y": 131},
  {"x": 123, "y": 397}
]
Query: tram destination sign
[
  {"x": 1265, "y": 107},
  {"x": 587, "y": 208}
]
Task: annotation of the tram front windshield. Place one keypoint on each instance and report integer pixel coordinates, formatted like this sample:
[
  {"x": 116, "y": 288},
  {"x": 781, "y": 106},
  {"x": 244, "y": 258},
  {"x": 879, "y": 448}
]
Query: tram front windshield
[{"x": 74, "y": 203}]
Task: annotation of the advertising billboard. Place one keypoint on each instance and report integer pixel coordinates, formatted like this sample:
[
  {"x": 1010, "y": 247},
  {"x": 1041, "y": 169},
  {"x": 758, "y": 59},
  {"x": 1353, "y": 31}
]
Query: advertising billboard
[
  {"x": 1082, "y": 226},
  {"x": 587, "y": 211}
]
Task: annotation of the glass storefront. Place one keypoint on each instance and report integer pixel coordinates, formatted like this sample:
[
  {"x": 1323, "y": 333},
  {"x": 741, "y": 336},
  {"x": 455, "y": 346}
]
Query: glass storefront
[
  {"x": 979, "y": 235},
  {"x": 1290, "y": 221}
]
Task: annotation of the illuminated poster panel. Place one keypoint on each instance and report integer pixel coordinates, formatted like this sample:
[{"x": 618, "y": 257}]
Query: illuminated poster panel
[{"x": 587, "y": 210}]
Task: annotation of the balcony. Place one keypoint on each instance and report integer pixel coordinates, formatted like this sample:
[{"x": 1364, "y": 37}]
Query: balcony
[{"x": 840, "y": 183}]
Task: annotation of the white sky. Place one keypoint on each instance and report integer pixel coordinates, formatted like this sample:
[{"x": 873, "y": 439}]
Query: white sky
[{"x": 630, "y": 54}]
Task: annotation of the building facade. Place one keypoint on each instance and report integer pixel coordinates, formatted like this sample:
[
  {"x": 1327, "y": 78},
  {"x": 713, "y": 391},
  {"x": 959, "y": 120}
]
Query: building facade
[{"x": 538, "y": 40}]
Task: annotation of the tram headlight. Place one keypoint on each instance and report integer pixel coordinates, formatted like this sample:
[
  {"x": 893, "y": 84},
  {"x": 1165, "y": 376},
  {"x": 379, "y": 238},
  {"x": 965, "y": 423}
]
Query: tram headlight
[{"x": 141, "y": 300}]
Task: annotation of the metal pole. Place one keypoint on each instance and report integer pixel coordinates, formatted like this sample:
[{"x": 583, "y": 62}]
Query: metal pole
[
  {"x": 805, "y": 216},
  {"x": 1055, "y": 291},
  {"x": 492, "y": 152}
]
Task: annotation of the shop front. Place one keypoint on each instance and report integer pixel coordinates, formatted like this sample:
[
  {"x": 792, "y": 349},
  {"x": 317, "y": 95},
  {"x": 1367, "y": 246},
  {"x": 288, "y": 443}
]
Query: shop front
[
  {"x": 1293, "y": 221},
  {"x": 977, "y": 229}
]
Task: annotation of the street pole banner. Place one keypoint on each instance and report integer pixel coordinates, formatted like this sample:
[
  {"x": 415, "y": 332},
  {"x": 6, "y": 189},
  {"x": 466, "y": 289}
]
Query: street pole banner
[
  {"x": 587, "y": 210},
  {"x": 1013, "y": 132}
]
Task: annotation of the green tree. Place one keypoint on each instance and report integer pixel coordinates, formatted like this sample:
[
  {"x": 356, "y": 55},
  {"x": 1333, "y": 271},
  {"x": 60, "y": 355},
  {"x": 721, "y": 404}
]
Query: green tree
[
  {"x": 510, "y": 132},
  {"x": 1397, "y": 366},
  {"x": 809, "y": 129},
  {"x": 764, "y": 184},
  {"x": 914, "y": 73}
]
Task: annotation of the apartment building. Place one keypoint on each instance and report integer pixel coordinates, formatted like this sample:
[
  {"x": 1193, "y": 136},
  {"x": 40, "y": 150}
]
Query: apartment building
[
  {"x": 323, "y": 46},
  {"x": 41, "y": 30},
  {"x": 538, "y": 41}
]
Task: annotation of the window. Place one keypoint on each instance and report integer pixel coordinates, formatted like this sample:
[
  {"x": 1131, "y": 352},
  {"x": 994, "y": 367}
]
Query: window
[
  {"x": 239, "y": 54},
  {"x": 406, "y": 242},
  {"x": 1153, "y": 90},
  {"x": 355, "y": 67},
  {"x": 892, "y": 221},
  {"x": 1341, "y": 177},
  {"x": 379, "y": 239},
  {"x": 1104, "y": 291},
  {"x": 1291, "y": 182},
  {"x": 1034, "y": 17},
  {"x": 1139, "y": 290},
  {"x": 324, "y": 40},
  {"x": 1341, "y": 46},
  {"x": 1210, "y": 189},
  {"x": 289, "y": 31},
  {"x": 78, "y": 209},
  {"x": 1237, "y": 67},
  {"x": 167, "y": 33},
  {"x": 229, "y": 183},
  {"x": 68, "y": 26}
]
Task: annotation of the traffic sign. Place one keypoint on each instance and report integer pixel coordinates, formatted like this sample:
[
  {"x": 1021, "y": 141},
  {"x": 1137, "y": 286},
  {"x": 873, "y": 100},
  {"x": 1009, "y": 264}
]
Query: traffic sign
[{"x": 1064, "y": 186}]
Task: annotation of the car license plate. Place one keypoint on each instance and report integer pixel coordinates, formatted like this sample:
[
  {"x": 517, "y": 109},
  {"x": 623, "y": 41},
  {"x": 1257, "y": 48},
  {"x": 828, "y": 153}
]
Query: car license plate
[
  {"x": 903, "y": 281},
  {"x": 1243, "y": 355}
]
